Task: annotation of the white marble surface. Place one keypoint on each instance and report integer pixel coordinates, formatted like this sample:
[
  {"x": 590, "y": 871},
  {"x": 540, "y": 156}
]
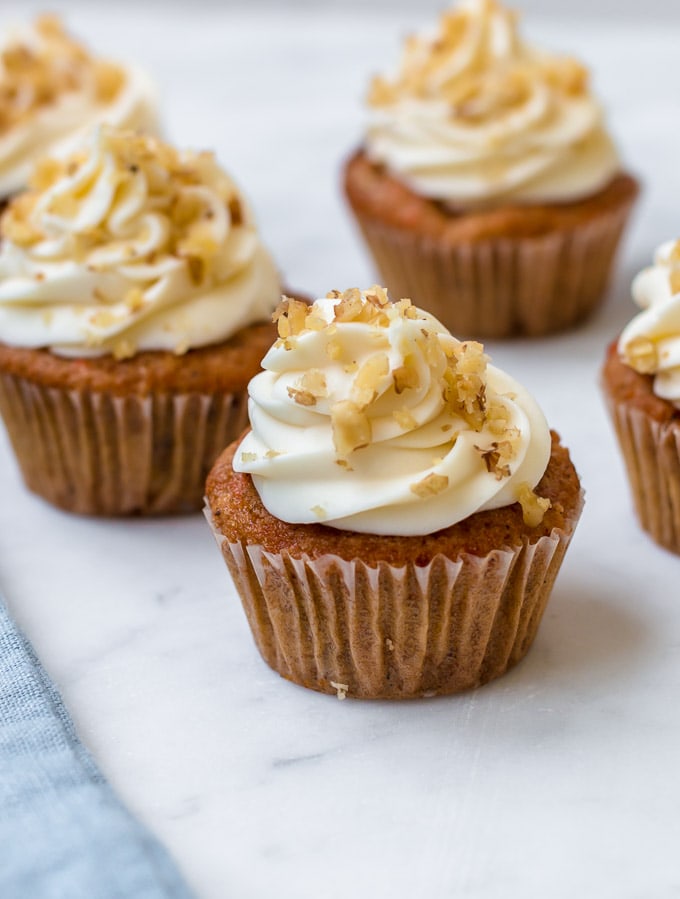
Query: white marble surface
[{"x": 560, "y": 779}]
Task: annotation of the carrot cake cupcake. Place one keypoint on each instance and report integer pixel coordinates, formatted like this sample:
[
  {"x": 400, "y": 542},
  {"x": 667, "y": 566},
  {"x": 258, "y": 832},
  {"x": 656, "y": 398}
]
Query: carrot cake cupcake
[
  {"x": 641, "y": 381},
  {"x": 135, "y": 305},
  {"x": 396, "y": 517},
  {"x": 488, "y": 187}
]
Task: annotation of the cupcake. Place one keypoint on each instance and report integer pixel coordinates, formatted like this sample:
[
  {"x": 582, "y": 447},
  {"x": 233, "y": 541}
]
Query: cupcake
[
  {"x": 51, "y": 89},
  {"x": 488, "y": 188},
  {"x": 396, "y": 517},
  {"x": 641, "y": 381},
  {"x": 135, "y": 306}
]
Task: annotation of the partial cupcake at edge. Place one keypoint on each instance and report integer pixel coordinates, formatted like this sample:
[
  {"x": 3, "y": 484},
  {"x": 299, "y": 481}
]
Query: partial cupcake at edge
[
  {"x": 487, "y": 187},
  {"x": 395, "y": 519},
  {"x": 641, "y": 382},
  {"x": 52, "y": 88},
  {"x": 135, "y": 305}
]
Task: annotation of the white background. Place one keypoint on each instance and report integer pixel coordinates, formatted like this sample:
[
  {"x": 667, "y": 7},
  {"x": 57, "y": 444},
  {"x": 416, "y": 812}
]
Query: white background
[{"x": 559, "y": 780}]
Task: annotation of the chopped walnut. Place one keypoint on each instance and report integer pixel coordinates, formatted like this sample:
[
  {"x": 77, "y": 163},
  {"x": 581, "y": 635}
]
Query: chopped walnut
[
  {"x": 430, "y": 485},
  {"x": 533, "y": 507},
  {"x": 334, "y": 349},
  {"x": 248, "y": 457},
  {"x": 377, "y": 296},
  {"x": 367, "y": 382},
  {"x": 405, "y": 419},
  {"x": 642, "y": 355},
  {"x": 301, "y": 397},
  {"x": 351, "y": 427},
  {"x": 340, "y": 689},
  {"x": 495, "y": 456},
  {"x": 289, "y": 317},
  {"x": 350, "y": 306},
  {"x": 314, "y": 382},
  {"x": 406, "y": 376},
  {"x": 497, "y": 418},
  {"x": 315, "y": 322}
]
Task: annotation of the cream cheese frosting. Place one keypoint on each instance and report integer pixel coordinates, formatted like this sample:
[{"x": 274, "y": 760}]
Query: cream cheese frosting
[
  {"x": 131, "y": 245},
  {"x": 650, "y": 343},
  {"x": 51, "y": 89},
  {"x": 475, "y": 116},
  {"x": 369, "y": 416}
]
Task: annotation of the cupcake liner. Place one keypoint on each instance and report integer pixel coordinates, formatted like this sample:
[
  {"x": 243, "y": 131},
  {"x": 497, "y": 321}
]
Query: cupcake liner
[
  {"x": 387, "y": 632},
  {"x": 651, "y": 452},
  {"x": 99, "y": 454},
  {"x": 505, "y": 286}
]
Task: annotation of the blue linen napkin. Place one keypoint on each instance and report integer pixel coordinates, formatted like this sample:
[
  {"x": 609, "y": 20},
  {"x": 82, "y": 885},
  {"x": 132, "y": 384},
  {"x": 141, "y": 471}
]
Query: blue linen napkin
[{"x": 63, "y": 832}]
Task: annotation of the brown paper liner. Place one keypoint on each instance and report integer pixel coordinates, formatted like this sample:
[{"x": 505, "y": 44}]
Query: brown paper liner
[
  {"x": 100, "y": 454},
  {"x": 501, "y": 287},
  {"x": 651, "y": 452},
  {"x": 385, "y": 632}
]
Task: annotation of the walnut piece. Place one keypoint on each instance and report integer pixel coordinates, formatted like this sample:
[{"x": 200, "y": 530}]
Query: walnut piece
[
  {"x": 533, "y": 507},
  {"x": 367, "y": 382},
  {"x": 642, "y": 355},
  {"x": 351, "y": 427},
  {"x": 430, "y": 485}
]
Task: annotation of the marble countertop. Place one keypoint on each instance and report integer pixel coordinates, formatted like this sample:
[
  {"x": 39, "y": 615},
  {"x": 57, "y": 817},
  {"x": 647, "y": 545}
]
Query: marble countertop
[{"x": 558, "y": 780}]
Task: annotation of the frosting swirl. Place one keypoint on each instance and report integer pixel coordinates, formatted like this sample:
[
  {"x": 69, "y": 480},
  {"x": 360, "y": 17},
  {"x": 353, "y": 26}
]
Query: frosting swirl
[
  {"x": 475, "y": 116},
  {"x": 51, "y": 89},
  {"x": 369, "y": 416},
  {"x": 131, "y": 245},
  {"x": 650, "y": 343}
]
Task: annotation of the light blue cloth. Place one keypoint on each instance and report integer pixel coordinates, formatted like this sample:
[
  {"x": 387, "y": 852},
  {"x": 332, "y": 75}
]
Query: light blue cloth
[{"x": 63, "y": 832}]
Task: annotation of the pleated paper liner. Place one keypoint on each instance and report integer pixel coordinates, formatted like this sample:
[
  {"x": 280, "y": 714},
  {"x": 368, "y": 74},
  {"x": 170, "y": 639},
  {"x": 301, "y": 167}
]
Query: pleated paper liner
[
  {"x": 651, "y": 452},
  {"x": 99, "y": 454},
  {"x": 501, "y": 287},
  {"x": 386, "y": 632}
]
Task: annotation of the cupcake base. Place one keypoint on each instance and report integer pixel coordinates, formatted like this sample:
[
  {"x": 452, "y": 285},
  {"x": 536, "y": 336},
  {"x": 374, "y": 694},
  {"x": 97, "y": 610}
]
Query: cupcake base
[
  {"x": 98, "y": 454},
  {"x": 407, "y": 622},
  {"x": 648, "y": 431},
  {"x": 516, "y": 270},
  {"x": 133, "y": 437}
]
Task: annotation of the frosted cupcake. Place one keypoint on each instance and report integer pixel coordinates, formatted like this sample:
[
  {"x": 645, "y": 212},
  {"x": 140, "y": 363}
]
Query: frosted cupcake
[
  {"x": 396, "y": 517},
  {"x": 641, "y": 381},
  {"x": 51, "y": 89},
  {"x": 135, "y": 305},
  {"x": 488, "y": 187}
]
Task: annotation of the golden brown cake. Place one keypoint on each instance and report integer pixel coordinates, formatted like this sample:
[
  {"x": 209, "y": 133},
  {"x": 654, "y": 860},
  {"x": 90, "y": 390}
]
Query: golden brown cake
[
  {"x": 487, "y": 188},
  {"x": 393, "y": 528},
  {"x": 135, "y": 306}
]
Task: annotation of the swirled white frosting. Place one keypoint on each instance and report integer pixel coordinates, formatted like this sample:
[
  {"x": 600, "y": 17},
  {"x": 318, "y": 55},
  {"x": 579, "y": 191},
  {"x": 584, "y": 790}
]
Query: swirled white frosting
[
  {"x": 52, "y": 90},
  {"x": 475, "y": 117},
  {"x": 650, "y": 343},
  {"x": 373, "y": 418},
  {"x": 128, "y": 246}
]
